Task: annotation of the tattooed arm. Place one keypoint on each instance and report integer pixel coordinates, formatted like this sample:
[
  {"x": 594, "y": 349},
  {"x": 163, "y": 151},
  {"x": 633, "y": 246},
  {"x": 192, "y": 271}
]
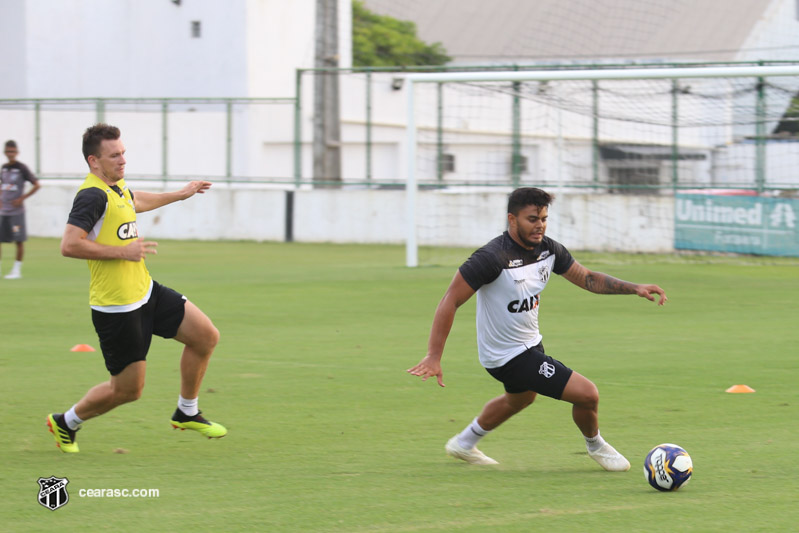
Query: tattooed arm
[{"x": 600, "y": 283}]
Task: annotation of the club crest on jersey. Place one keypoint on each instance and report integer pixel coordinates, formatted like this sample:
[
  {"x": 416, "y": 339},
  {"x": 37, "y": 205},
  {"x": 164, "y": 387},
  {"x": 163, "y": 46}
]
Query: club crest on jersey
[
  {"x": 520, "y": 306},
  {"x": 128, "y": 230},
  {"x": 543, "y": 271}
]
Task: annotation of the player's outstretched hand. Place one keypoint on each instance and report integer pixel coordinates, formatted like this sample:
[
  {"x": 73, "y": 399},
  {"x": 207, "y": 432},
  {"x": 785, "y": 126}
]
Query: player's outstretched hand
[
  {"x": 647, "y": 291},
  {"x": 428, "y": 367},
  {"x": 194, "y": 187}
]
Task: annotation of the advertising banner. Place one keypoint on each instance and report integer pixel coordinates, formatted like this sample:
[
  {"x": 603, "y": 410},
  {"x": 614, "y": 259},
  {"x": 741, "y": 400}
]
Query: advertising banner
[{"x": 739, "y": 224}]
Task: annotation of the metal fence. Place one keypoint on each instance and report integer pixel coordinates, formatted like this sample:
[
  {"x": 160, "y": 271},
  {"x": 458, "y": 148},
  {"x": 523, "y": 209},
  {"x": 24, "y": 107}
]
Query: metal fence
[
  {"x": 589, "y": 134},
  {"x": 166, "y": 138},
  {"x": 629, "y": 137}
]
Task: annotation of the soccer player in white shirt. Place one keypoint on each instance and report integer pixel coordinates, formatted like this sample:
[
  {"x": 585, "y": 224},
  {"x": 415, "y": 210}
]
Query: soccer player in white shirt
[{"x": 508, "y": 275}]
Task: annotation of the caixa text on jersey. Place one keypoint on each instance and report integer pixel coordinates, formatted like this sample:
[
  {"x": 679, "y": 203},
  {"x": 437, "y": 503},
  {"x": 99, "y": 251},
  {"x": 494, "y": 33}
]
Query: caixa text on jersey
[{"x": 520, "y": 306}]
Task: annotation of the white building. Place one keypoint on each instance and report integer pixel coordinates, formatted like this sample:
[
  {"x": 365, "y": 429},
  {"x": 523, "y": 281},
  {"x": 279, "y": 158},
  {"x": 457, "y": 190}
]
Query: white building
[
  {"x": 248, "y": 49},
  {"x": 158, "y": 48},
  {"x": 152, "y": 49},
  {"x": 203, "y": 52}
]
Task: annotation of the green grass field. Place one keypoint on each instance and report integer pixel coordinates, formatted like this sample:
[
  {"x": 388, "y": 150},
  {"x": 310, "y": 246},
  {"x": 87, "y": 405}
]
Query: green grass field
[{"x": 329, "y": 433}]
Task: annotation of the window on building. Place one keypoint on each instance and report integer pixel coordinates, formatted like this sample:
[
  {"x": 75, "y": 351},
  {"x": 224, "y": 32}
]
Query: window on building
[
  {"x": 447, "y": 163},
  {"x": 634, "y": 180}
]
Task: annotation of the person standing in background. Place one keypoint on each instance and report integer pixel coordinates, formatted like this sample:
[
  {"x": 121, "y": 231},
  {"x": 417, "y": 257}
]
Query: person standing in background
[{"x": 13, "y": 176}]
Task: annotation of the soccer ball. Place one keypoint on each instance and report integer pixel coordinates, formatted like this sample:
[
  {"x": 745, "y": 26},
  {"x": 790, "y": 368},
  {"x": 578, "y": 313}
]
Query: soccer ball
[{"x": 668, "y": 467}]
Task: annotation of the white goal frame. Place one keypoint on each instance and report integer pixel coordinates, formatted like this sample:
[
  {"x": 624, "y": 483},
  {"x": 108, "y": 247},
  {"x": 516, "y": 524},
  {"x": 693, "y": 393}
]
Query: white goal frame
[{"x": 411, "y": 243}]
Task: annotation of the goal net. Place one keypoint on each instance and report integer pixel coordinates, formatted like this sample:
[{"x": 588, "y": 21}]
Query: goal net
[{"x": 616, "y": 146}]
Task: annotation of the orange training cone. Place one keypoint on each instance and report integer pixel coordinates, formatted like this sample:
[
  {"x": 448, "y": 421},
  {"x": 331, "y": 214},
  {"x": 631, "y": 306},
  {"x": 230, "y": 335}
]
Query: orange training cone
[
  {"x": 82, "y": 348},
  {"x": 740, "y": 388}
]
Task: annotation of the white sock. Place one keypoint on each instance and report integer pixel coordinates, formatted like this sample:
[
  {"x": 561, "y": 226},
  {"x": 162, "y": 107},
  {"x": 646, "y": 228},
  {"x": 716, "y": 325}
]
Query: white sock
[
  {"x": 469, "y": 437},
  {"x": 594, "y": 443},
  {"x": 188, "y": 407},
  {"x": 71, "y": 419}
]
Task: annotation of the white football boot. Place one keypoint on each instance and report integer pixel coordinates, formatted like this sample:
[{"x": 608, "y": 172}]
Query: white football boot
[
  {"x": 473, "y": 456},
  {"x": 609, "y": 459}
]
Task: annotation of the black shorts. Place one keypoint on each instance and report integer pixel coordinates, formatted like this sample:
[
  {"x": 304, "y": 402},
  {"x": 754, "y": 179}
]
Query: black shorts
[
  {"x": 533, "y": 370},
  {"x": 125, "y": 337},
  {"x": 12, "y": 228}
]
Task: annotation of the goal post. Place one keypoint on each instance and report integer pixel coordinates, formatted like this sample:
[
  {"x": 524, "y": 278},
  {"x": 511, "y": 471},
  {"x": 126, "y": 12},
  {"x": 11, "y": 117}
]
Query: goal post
[{"x": 690, "y": 120}]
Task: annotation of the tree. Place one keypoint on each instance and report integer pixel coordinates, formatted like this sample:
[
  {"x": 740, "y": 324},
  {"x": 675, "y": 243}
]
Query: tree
[
  {"x": 382, "y": 41},
  {"x": 789, "y": 125}
]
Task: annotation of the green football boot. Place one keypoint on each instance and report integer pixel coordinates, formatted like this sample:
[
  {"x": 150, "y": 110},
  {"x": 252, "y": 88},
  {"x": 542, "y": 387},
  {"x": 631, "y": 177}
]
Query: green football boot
[{"x": 198, "y": 423}]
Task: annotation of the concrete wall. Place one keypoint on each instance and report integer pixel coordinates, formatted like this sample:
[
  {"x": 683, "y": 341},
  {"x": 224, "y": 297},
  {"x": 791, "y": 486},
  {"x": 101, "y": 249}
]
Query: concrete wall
[{"x": 370, "y": 216}]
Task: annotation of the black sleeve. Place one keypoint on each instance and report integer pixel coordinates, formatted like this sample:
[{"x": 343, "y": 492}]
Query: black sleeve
[
  {"x": 27, "y": 174},
  {"x": 483, "y": 267},
  {"x": 563, "y": 259},
  {"x": 88, "y": 208}
]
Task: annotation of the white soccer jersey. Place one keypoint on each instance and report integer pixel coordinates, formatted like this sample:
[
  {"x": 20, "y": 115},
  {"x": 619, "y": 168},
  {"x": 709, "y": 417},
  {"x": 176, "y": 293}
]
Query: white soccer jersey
[{"x": 509, "y": 280}]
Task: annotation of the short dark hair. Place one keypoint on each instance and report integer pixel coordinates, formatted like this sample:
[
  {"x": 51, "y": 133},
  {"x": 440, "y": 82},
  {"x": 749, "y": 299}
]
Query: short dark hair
[
  {"x": 11, "y": 144},
  {"x": 95, "y": 135},
  {"x": 524, "y": 196}
]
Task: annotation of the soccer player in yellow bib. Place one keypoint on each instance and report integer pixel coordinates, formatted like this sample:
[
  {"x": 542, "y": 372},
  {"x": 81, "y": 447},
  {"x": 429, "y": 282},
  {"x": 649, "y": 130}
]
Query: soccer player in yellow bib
[{"x": 128, "y": 306}]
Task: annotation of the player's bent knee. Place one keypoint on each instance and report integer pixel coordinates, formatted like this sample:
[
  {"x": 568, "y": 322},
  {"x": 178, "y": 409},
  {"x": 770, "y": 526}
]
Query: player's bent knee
[
  {"x": 581, "y": 392},
  {"x": 197, "y": 332},
  {"x": 207, "y": 338},
  {"x": 591, "y": 398},
  {"x": 587, "y": 395},
  {"x": 123, "y": 396},
  {"x": 214, "y": 336},
  {"x": 518, "y": 402},
  {"x": 134, "y": 395}
]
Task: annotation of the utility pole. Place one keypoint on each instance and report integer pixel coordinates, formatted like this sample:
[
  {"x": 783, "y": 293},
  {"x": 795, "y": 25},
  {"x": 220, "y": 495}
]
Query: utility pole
[{"x": 327, "y": 124}]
